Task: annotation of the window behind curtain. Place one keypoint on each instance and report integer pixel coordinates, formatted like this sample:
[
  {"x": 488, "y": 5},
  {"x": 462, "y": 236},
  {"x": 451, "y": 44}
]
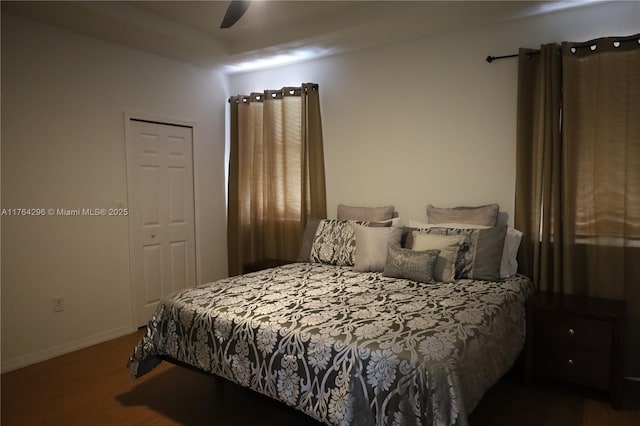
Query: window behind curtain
[
  {"x": 601, "y": 126},
  {"x": 276, "y": 174}
]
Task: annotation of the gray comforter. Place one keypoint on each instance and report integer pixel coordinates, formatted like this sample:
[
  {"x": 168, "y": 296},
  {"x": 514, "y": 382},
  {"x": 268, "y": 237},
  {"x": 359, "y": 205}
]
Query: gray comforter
[{"x": 346, "y": 347}]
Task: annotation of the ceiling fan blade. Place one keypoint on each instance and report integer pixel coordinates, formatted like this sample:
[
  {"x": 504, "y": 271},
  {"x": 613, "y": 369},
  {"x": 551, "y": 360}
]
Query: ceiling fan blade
[{"x": 236, "y": 9}]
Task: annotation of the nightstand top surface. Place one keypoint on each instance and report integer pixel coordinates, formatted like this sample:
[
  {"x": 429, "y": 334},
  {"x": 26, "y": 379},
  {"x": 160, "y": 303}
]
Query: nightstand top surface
[{"x": 578, "y": 305}]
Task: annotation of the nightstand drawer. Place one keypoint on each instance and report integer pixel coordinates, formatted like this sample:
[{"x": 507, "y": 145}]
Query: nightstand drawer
[
  {"x": 576, "y": 339},
  {"x": 577, "y": 365},
  {"x": 585, "y": 333}
]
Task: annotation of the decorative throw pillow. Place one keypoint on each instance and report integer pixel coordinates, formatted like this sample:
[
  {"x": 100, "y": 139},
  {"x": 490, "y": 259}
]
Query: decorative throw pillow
[
  {"x": 480, "y": 257},
  {"x": 482, "y": 215},
  {"x": 372, "y": 245},
  {"x": 335, "y": 243},
  {"x": 304, "y": 255},
  {"x": 410, "y": 264},
  {"x": 509, "y": 262},
  {"x": 365, "y": 213},
  {"x": 445, "y": 267}
]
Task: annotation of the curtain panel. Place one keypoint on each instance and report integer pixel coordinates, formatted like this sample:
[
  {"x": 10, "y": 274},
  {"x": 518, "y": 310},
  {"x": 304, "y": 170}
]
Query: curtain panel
[
  {"x": 538, "y": 181},
  {"x": 276, "y": 173},
  {"x": 578, "y": 172}
]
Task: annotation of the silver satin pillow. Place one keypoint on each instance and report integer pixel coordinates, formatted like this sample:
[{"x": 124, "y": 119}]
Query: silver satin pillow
[{"x": 410, "y": 264}]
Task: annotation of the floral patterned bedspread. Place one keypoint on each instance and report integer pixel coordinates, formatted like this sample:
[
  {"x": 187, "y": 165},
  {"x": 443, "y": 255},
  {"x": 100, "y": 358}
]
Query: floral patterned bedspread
[{"x": 345, "y": 347}]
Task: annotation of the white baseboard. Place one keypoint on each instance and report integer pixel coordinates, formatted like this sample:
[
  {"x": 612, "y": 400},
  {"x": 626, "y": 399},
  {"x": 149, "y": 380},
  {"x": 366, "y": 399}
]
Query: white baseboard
[{"x": 65, "y": 348}]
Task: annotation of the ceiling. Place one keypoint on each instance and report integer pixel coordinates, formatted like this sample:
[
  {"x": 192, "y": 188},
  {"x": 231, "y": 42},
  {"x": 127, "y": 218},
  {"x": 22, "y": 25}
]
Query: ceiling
[{"x": 271, "y": 31}]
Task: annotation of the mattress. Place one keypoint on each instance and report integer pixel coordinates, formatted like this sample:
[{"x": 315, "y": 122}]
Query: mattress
[{"x": 346, "y": 347}]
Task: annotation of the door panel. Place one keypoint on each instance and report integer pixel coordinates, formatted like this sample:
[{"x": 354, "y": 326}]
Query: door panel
[
  {"x": 152, "y": 273},
  {"x": 161, "y": 204},
  {"x": 150, "y": 184},
  {"x": 177, "y": 146},
  {"x": 178, "y": 184}
]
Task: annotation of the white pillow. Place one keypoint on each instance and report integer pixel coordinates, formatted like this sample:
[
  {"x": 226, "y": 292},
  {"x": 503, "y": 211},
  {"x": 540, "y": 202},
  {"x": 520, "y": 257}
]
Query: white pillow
[
  {"x": 509, "y": 265},
  {"x": 445, "y": 268},
  {"x": 394, "y": 222},
  {"x": 372, "y": 245}
]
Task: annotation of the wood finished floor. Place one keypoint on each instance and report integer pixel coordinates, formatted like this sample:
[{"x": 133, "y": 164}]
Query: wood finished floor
[{"x": 93, "y": 387}]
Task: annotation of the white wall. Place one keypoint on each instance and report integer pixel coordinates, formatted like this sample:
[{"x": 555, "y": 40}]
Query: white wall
[
  {"x": 64, "y": 98},
  {"x": 429, "y": 121}
]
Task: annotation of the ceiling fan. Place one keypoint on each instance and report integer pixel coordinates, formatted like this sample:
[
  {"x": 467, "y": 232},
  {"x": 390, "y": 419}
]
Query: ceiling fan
[{"x": 236, "y": 9}]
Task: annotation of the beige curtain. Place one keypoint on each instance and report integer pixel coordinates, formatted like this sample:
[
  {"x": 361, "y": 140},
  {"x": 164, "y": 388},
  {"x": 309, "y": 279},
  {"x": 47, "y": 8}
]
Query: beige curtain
[
  {"x": 276, "y": 173},
  {"x": 538, "y": 180},
  {"x": 578, "y": 173}
]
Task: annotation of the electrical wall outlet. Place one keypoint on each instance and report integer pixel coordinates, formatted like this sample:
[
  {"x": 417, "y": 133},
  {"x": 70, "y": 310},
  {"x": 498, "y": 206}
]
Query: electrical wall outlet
[{"x": 58, "y": 304}]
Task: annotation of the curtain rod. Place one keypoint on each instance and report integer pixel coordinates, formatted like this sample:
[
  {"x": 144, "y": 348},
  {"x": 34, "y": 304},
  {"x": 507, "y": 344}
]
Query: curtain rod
[
  {"x": 615, "y": 40},
  {"x": 515, "y": 55},
  {"x": 292, "y": 91},
  {"x": 495, "y": 58}
]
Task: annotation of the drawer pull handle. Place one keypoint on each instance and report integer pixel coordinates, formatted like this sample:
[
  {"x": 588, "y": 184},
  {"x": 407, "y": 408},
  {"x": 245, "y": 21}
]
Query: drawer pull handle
[
  {"x": 571, "y": 332},
  {"x": 570, "y": 361}
]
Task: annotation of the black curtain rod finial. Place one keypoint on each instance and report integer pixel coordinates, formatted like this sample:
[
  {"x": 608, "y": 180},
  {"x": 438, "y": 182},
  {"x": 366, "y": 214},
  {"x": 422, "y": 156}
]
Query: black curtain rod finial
[{"x": 493, "y": 58}]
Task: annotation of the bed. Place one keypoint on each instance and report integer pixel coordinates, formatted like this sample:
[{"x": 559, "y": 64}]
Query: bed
[{"x": 346, "y": 347}]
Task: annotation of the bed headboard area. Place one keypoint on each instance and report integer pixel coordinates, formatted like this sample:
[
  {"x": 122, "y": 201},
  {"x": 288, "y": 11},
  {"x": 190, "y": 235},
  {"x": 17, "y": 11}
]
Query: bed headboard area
[{"x": 468, "y": 242}]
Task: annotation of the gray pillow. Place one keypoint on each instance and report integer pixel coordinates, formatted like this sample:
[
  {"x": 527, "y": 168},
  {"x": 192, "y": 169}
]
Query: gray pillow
[
  {"x": 480, "y": 256},
  {"x": 365, "y": 213},
  {"x": 485, "y": 253},
  {"x": 307, "y": 239},
  {"x": 371, "y": 247},
  {"x": 410, "y": 264},
  {"x": 482, "y": 215}
]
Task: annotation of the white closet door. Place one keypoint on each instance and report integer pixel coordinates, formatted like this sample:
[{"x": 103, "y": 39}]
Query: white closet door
[{"x": 161, "y": 204}]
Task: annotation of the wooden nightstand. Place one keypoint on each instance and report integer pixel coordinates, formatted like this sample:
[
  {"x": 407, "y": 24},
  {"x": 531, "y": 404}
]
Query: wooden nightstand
[{"x": 576, "y": 339}]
